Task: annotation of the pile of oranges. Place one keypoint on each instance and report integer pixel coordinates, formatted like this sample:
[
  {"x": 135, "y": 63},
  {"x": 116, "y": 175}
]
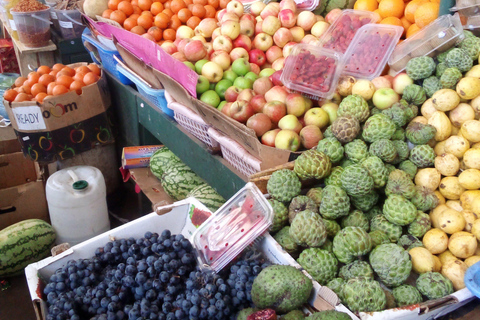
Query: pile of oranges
[
  {"x": 158, "y": 20},
  {"x": 411, "y": 15},
  {"x": 46, "y": 82}
]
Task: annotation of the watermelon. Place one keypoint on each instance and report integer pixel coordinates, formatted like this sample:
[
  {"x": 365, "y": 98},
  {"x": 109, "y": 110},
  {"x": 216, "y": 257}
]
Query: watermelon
[
  {"x": 178, "y": 180},
  {"x": 23, "y": 243},
  {"x": 161, "y": 159},
  {"x": 208, "y": 196},
  {"x": 328, "y": 5}
]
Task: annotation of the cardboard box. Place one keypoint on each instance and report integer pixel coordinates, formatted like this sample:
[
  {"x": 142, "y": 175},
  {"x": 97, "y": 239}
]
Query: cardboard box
[
  {"x": 8, "y": 141},
  {"x": 63, "y": 125},
  {"x": 151, "y": 186},
  {"x": 15, "y": 170},
  {"x": 26, "y": 201}
]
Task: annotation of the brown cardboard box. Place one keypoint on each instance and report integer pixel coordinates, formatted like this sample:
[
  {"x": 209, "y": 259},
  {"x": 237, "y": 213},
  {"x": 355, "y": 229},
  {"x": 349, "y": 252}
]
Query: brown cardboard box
[
  {"x": 26, "y": 201},
  {"x": 8, "y": 141},
  {"x": 150, "y": 186},
  {"x": 15, "y": 170},
  {"x": 63, "y": 126}
]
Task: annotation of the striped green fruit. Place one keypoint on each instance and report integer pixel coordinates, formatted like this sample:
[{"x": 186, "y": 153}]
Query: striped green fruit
[
  {"x": 23, "y": 243},
  {"x": 328, "y": 5},
  {"x": 207, "y": 196},
  {"x": 161, "y": 159},
  {"x": 178, "y": 180}
]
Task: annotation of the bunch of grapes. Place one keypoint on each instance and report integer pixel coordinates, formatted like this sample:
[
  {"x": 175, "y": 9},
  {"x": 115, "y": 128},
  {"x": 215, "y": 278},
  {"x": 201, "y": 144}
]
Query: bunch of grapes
[{"x": 154, "y": 277}]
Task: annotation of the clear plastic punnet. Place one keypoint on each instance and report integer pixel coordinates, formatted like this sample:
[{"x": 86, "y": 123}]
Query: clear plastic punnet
[
  {"x": 370, "y": 49},
  {"x": 439, "y": 36},
  {"x": 467, "y": 8},
  {"x": 307, "y": 5},
  {"x": 473, "y": 25},
  {"x": 339, "y": 35},
  {"x": 312, "y": 70},
  {"x": 232, "y": 228}
]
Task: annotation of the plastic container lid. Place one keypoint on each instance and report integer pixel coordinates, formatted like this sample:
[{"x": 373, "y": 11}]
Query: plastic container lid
[
  {"x": 472, "y": 279},
  {"x": 467, "y": 8},
  {"x": 437, "y": 37},
  {"x": 232, "y": 228},
  {"x": 473, "y": 25},
  {"x": 370, "y": 49},
  {"x": 312, "y": 70},
  {"x": 339, "y": 35},
  {"x": 307, "y": 5}
]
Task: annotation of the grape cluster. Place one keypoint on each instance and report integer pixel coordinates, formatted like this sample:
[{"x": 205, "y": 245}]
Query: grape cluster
[{"x": 154, "y": 277}]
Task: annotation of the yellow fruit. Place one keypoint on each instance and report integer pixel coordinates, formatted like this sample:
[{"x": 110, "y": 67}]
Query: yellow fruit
[
  {"x": 450, "y": 221},
  {"x": 462, "y": 244},
  {"x": 467, "y": 198},
  {"x": 366, "y": 5},
  {"x": 443, "y": 125},
  {"x": 455, "y": 205},
  {"x": 476, "y": 229},
  {"x": 460, "y": 114},
  {"x": 410, "y": 9},
  {"x": 470, "y": 179},
  {"x": 457, "y": 146},
  {"x": 455, "y": 271},
  {"x": 422, "y": 260},
  {"x": 435, "y": 240},
  {"x": 391, "y": 8},
  {"x": 446, "y": 257},
  {"x": 438, "y": 264},
  {"x": 445, "y": 100},
  {"x": 470, "y": 129},
  {"x": 426, "y": 13},
  {"x": 435, "y": 213},
  {"x": 428, "y": 178},
  {"x": 468, "y": 88},
  {"x": 471, "y": 158},
  {"x": 470, "y": 218},
  {"x": 451, "y": 188},
  {"x": 470, "y": 261},
  {"x": 447, "y": 164}
]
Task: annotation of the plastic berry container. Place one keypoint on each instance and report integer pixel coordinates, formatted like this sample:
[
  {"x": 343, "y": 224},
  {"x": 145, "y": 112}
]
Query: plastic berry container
[
  {"x": 473, "y": 25},
  {"x": 307, "y": 5},
  {"x": 312, "y": 70},
  {"x": 370, "y": 49},
  {"x": 437, "y": 37},
  {"x": 339, "y": 35},
  {"x": 233, "y": 227},
  {"x": 467, "y": 8}
]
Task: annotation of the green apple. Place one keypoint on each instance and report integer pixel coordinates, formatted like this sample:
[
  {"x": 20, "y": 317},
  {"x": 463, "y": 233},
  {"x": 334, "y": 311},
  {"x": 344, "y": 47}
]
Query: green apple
[
  {"x": 189, "y": 64},
  {"x": 267, "y": 72},
  {"x": 212, "y": 86},
  {"x": 222, "y": 86},
  {"x": 210, "y": 97},
  {"x": 199, "y": 65},
  {"x": 252, "y": 76},
  {"x": 243, "y": 83},
  {"x": 202, "y": 85},
  {"x": 220, "y": 106},
  {"x": 230, "y": 75},
  {"x": 241, "y": 66}
]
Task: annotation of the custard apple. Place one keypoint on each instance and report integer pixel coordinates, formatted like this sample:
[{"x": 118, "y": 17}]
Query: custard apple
[
  {"x": 334, "y": 177},
  {"x": 468, "y": 34},
  {"x": 356, "y": 180},
  {"x": 285, "y": 240},
  {"x": 345, "y": 128},
  {"x": 406, "y": 295},
  {"x": 356, "y": 150},
  {"x": 434, "y": 285},
  {"x": 363, "y": 295},
  {"x": 450, "y": 78},
  {"x": 411, "y": 111},
  {"x": 312, "y": 164},
  {"x": 403, "y": 151},
  {"x": 332, "y": 227},
  {"x": 393, "y": 231},
  {"x": 294, "y": 315},
  {"x": 332, "y": 148},
  {"x": 431, "y": 85},
  {"x": 328, "y": 246},
  {"x": 377, "y": 127},
  {"x": 316, "y": 195},
  {"x": 281, "y": 287},
  {"x": 397, "y": 114},
  {"x": 376, "y": 169},
  {"x": 420, "y": 133},
  {"x": 472, "y": 46},
  {"x": 441, "y": 67},
  {"x": 425, "y": 199},
  {"x": 376, "y": 210},
  {"x": 384, "y": 149},
  {"x": 299, "y": 204},
  {"x": 336, "y": 285},
  {"x": 329, "y": 315},
  {"x": 280, "y": 215},
  {"x": 399, "y": 182},
  {"x": 460, "y": 59},
  {"x": 391, "y": 263},
  {"x": 375, "y": 111},
  {"x": 356, "y": 269},
  {"x": 390, "y": 167},
  {"x": 366, "y": 202},
  {"x": 351, "y": 243},
  {"x": 420, "y": 67},
  {"x": 441, "y": 57},
  {"x": 355, "y": 106},
  {"x": 378, "y": 237},
  {"x": 328, "y": 133},
  {"x": 408, "y": 242},
  {"x": 346, "y": 162},
  {"x": 423, "y": 156},
  {"x": 399, "y": 134},
  {"x": 356, "y": 218},
  {"x": 413, "y": 93},
  {"x": 307, "y": 229},
  {"x": 409, "y": 167},
  {"x": 283, "y": 185},
  {"x": 335, "y": 204},
  {"x": 320, "y": 264},
  {"x": 398, "y": 210}
]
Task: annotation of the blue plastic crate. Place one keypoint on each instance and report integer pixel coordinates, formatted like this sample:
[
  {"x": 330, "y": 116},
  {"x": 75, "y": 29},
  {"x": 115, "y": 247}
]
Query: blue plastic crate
[
  {"x": 155, "y": 96},
  {"x": 105, "y": 55},
  {"x": 472, "y": 279}
]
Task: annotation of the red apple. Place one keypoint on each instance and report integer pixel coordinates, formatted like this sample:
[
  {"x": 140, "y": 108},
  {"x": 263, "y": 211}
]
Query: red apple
[
  {"x": 238, "y": 53},
  {"x": 232, "y": 93},
  {"x": 278, "y": 64},
  {"x": 287, "y": 18},
  {"x": 169, "y": 47},
  {"x": 222, "y": 58},
  {"x": 260, "y": 123},
  {"x": 226, "y": 108},
  {"x": 179, "y": 56},
  {"x": 282, "y": 36},
  {"x": 243, "y": 41},
  {"x": 287, "y": 49},
  {"x": 275, "y": 78},
  {"x": 258, "y": 27},
  {"x": 288, "y": 4},
  {"x": 241, "y": 110},
  {"x": 257, "y": 102},
  {"x": 277, "y": 93},
  {"x": 272, "y": 9},
  {"x": 246, "y": 95},
  {"x": 333, "y": 15},
  {"x": 254, "y": 68},
  {"x": 247, "y": 16},
  {"x": 262, "y": 85},
  {"x": 268, "y": 137},
  {"x": 247, "y": 27},
  {"x": 182, "y": 43},
  {"x": 257, "y": 56},
  {"x": 273, "y": 53},
  {"x": 310, "y": 135},
  {"x": 194, "y": 51},
  {"x": 275, "y": 110}
]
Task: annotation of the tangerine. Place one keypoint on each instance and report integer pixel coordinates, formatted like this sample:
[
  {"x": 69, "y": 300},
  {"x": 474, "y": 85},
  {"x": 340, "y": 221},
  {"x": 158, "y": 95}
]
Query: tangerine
[
  {"x": 64, "y": 81},
  {"x": 169, "y": 34},
  {"x": 214, "y": 3},
  {"x": 168, "y": 12},
  {"x": 366, "y": 5},
  {"x": 410, "y": 9},
  {"x": 10, "y": 95},
  {"x": 50, "y": 87},
  {"x": 392, "y": 21},
  {"x": 426, "y": 13},
  {"x": 77, "y": 86},
  {"x": 193, "y": 22},
  {"x": 175, "y": 22},
  {"x": 26, "y": 88},
  {"x": 40, "y": 97},
  {"x": 222, "y": 4},
  {"x": 33, "y": 77},
  {"x": 69, "y": 70},
  {"x": 184, "y": 14},
  {"x": 137, "y": 11},
  {"x": 198, "y": 10},
  {"x": 138, "y": 30},
  {"x": 177, "y": 5},
  {"x": 391, "y": 8},
  {"x": 161, "y": 20},
  {"x": 156, "y": 33},
  {"x": 129, "y": 23},
  {"x": 19, "y": 81},
  {"x": 58, "y": 67},
  {"x": 82, "y": 69},
  {"x": 79, "y": 75},
  {"x": 126, "y": 7},
  {"x": 43, "y": 70},
  {"x": 21, "y": 97},
  {"x": 156, "y": 8},
  {"x": 406, "y": 25},
  {"x": 149, "y": 37},
  {"x": 53, "y": 73},
  {"x": 59, "y": 89},
  {"x": 95, "y": 69},
  {"x": 144, "y": 4},
  {"x": 202, "y": 2},
  {"x": 145, "y": 21},
  {"x": 113, "y": 4},
  {"x": 106, "y": 14},
  {"x": 37, "y": 88},
  {"x": 118, "y": 16},
  {"x": 90, "y": 78}
]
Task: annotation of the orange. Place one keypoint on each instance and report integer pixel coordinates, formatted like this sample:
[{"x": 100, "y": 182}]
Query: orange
[
  {"x": 59, "y": 89},
  {"x": 82, "y": 69},
  {"x": 223, "y": 4},
  {"x": 149, "y": 37},
  {"x": 90, "y": 78},
  {"x": 64, "y": 81},
  {"x": 62, "y": 73},
  {"x": 19, "y": 81},
  {"x": 391, "y": 8},
  {"x": 366, "y": 5},
  {"x": 53, "y": 73},
  {"x": 134, "y": 3},
  {"x": 393, "y": 21},
  {"x": 168, "y": 12},
  {"x": 129, "y": 23},
  {"x": 113, "y": 4},
  {"x": 177, "y": 5},
  {"x": 138, "y": 30},
  {"x": 161, "y": 20},
  {"x": 50, "y": 87},
  {"x": 410, "y": 9},
  {"x": 188, "y": 2},
  {"x": 40, "y": 97},
  {"x": 137, "y": 11},
  {"x": 210, "y": 11},
  {"x": 435, "y": 1},
  {"x": 134, "y": 16},
  {"x": 198, "y": 10},
  {"x": 169, "y": 34},
  {"x": 203, "y": 2},
  {"x": 426, "y": 13},
  {"x": 77, "y": 86},
  {"x": 118, "y": 16},
  {"x": 175, "y": 22},
  {"x": 166, "y": 5},
  {"x": 58, "y": 67},
  {"x": 145, "y": 21},
  {"x": 44, "y": 70},
  {"x": 10, "y": 95},
  {"x": 21, "y": 97},
  {"x": 214, "y": 3},
  {"x": 26, "y": 88},
  {"x": 156, "y": 33},
  {"x": 156, "y": 8},
  {"x": 37, "y": 88},
  {"x": 145, "y": 4},
  {"x": 193, "y": 22},
  {"x": 79, "y": 75},
  {"x": 406, "y": 25},
  {"x": 69, "y": 70},
  {"x": 95, "y": 69},
  {"x": 126, "y": 7},
  {"x": 412, "y": 30},
  {"x": 106, "y": 14},
  {"x": 184, "y": 14},
  {"x": 33, "y": 77}
]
